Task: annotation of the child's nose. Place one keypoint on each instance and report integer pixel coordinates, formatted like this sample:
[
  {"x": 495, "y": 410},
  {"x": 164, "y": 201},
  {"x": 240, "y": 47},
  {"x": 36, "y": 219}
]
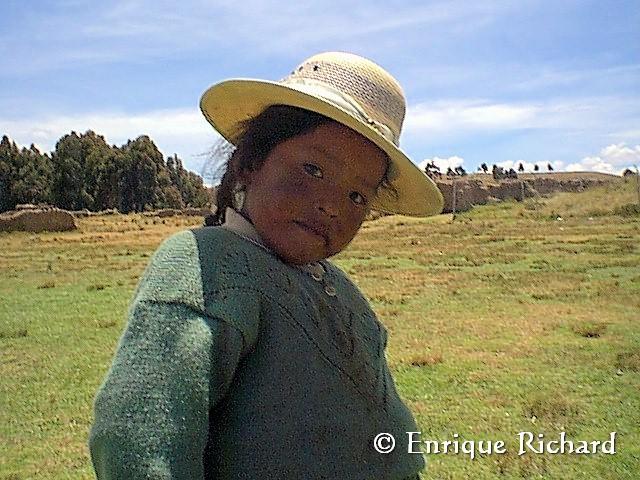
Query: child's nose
[
  {"x": 328, "y": 204},
  {"x": 328, "y": 200},
  {"x": 328, "y": 210}
]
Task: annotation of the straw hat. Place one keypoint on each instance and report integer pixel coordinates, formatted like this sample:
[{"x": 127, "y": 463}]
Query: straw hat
[{"x": 349, "y": 89}]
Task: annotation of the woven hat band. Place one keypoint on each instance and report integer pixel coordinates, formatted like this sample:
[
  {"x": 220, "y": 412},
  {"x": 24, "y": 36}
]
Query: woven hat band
[{"x": 341, "y": 100}]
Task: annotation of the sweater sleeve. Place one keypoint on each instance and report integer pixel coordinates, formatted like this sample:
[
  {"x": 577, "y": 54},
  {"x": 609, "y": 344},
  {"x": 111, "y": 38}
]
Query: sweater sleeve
[
  {"x": 152, "y": 412},
  {"x": 175, "y": 361}
]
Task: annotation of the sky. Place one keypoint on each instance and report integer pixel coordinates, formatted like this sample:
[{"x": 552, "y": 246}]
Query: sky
[{"x": 496, "y": 82}]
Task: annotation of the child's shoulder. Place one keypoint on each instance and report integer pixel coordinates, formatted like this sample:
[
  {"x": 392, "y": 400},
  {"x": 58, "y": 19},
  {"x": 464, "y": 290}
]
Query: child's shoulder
[
  {"x": 188, "y": 239},
  {"x": 198, "y": 268},
  {"x": 196, "y": 244},
  {"x": 181, "y": 262}
]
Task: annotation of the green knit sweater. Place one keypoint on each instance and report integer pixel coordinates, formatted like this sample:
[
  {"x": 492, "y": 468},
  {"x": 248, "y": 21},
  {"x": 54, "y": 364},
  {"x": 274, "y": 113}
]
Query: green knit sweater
[{"x": 235, "y": 365}]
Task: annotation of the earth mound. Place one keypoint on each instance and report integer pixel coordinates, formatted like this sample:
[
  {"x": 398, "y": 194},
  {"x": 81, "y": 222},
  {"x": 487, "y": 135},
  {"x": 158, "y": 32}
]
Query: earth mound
[{"x": 37, "y": 220}]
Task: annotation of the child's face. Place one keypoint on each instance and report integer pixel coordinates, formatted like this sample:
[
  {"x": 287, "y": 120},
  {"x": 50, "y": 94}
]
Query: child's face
[{"x": 313, "y": 191}]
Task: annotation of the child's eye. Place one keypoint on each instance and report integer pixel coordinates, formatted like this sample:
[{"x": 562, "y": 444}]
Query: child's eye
[
  {"x": 357, "y": 198},
  {"x": 313, "y": 170}
]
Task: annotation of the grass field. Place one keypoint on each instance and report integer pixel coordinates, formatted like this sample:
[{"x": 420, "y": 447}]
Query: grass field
[{"x": 512, "y": 317}]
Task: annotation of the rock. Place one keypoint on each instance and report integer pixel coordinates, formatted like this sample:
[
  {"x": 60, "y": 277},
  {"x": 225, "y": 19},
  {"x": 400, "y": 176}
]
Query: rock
[
  {"x": 54, "y": 220},
  {"x": 171, "y": 212},
  {"x": 167, "y": 212},
  {"x": 81, "y": 213},
  {"x": 197, "y": 212},
  {"x": 109, "y": 211},
  {"x": 29, "y": 206}
]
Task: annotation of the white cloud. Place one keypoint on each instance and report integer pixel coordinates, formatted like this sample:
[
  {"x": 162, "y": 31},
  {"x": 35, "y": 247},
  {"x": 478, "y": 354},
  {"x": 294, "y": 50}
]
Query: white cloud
[
  {"x": 457, "y": 115},
  {"x": 591, "y": 164},
  {"x": 181, "y": 131},
  {"x": 621, "y": 155},
  {"x": 612, "y": 159},
  {"x": 443, "y": 163},
  {"x": 458, "y": 118}
]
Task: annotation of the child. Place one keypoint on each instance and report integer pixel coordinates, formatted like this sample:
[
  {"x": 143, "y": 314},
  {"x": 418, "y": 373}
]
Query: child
[{"x": 247, "y": 354}]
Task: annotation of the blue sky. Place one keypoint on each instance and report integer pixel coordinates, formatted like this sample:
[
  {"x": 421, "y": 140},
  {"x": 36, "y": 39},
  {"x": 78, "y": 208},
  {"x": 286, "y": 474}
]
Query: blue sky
[{"x": 493, "y": 81}]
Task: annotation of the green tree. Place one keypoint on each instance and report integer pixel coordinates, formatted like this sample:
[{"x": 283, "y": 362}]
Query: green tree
[
  {"x": 8, "y": 160},
  {"x": 85, "y": 172},
  {"x": 68, "y": 188},
  {"x": 190, "y": 185},
  {"x": 25, "y": 175},
  {"x": 143, "y": 163},
  {"x": 199, "y": 195},
  {"x": 32, "y": 180},
  {"x": 107, "y": 193},
  {"x": 97, "y": 159}
]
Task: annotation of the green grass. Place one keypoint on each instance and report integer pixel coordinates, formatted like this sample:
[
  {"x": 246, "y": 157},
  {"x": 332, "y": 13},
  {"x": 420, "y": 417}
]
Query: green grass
[{"x": 503, "y": 320}]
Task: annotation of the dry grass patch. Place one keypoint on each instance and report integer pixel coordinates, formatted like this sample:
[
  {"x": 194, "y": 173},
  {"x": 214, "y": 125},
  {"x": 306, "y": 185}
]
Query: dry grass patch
[
  {"x": 589, "y": 329},
  {"x": 550, "y": 406},
  {"x": 47, "y": 284},
  {"x": 424, "y": 359},
  {"x": 10, "y": 333},
  {"x": 629, "y": 361},
  {"x": 527, "y": 466},
  {"x": 106, "y": 323}
]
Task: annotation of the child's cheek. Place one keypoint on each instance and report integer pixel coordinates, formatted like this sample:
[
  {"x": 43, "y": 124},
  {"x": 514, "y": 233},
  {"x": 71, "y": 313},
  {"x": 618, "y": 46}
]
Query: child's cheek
[
  {"x": 290, "y": 192},
  {"x": 295, "y": 186}
]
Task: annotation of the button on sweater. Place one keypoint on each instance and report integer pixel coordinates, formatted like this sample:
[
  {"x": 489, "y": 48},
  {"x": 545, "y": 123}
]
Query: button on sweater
[{"x": 235, "y": 365}]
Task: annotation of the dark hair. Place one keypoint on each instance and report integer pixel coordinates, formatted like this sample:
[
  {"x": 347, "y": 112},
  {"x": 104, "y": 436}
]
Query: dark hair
[{"x": 257, "y": 137}]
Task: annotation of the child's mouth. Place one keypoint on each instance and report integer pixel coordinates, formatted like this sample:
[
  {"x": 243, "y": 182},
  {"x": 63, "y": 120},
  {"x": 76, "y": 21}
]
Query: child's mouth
[{"x": 315, "y": 230}]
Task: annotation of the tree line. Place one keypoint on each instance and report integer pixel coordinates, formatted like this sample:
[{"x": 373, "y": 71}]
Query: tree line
[
  {"x": 499, "y": 173},
  {"x": 84, "y": 172}
]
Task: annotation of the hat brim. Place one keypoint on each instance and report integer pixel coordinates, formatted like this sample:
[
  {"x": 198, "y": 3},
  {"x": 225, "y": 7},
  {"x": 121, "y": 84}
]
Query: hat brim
[{"x": 229, "y": 103}]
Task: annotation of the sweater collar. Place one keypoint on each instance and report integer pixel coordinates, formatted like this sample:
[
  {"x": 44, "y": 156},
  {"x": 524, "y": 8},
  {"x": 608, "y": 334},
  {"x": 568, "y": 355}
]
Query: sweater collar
[{"x": 236, "y": 223}]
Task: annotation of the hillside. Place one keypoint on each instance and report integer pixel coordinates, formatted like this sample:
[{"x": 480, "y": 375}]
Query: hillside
[
  {"x": 480, "y": 189},
  {"x": 488, "y": 178}
]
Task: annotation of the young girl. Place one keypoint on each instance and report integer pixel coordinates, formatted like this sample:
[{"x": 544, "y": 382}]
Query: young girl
[{"x": 247, "y": 354}]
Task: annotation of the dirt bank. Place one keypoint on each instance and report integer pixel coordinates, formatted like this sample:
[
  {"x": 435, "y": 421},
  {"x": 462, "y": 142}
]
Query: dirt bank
[{"x": 479, "y": 189}]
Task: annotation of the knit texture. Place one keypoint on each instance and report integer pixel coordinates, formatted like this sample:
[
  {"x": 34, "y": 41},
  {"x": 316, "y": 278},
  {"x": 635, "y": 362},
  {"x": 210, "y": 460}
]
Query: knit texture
[{"x": 235, "y": 365}]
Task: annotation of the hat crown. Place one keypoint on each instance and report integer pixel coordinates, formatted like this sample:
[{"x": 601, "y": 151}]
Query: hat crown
[{"x": 373, "y": 88}]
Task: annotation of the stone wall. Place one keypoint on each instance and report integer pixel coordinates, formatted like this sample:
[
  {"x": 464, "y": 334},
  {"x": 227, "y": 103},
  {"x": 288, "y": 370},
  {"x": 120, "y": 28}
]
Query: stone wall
[{"x": 470, "y": 191}]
